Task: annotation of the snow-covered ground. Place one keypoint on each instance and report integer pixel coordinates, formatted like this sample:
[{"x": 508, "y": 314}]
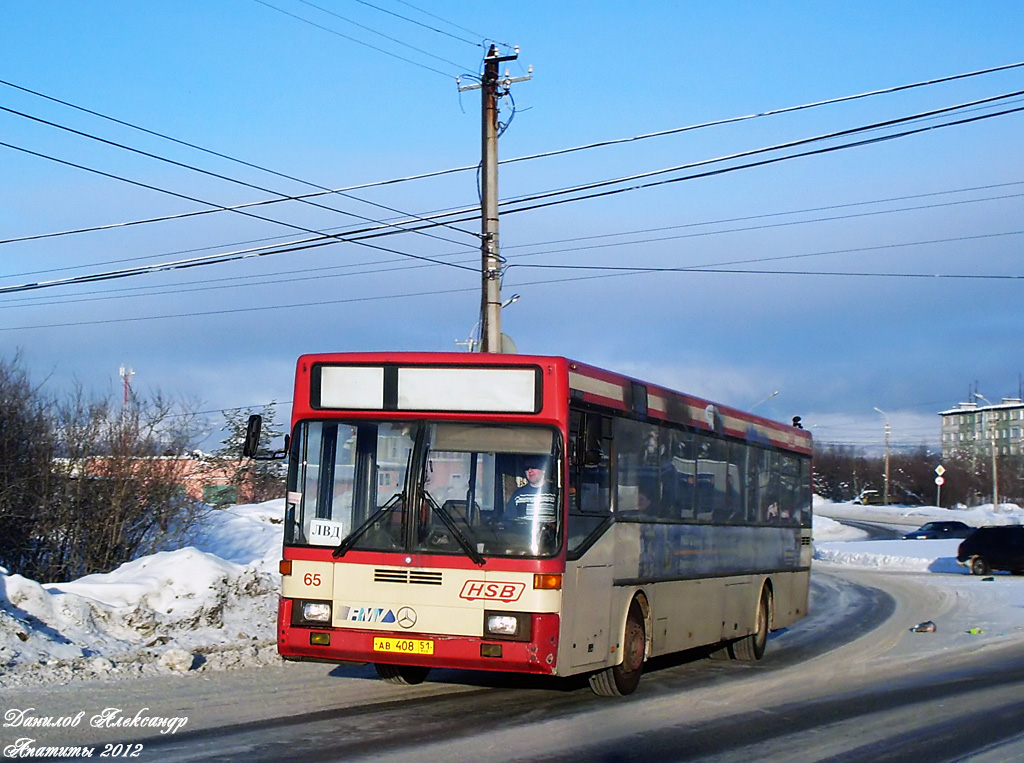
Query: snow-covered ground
[{"x": 211, "y": 606}]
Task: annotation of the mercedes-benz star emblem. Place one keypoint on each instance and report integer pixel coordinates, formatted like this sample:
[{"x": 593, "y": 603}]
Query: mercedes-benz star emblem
[{"x": 406, "y": 617}]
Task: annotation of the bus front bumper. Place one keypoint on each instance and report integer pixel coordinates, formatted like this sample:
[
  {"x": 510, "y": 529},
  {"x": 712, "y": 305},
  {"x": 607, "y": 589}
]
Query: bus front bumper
[{"x": 538, "y": 655}]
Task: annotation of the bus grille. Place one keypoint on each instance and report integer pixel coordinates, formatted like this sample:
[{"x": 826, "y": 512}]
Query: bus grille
[{"x": 414, "y": 577}]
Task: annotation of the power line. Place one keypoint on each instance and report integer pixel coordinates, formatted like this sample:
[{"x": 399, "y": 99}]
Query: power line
[
  {"x": 748, "y": 271},
  {"x": 434, "y": 16},
  {"x": 163, "y": 136},
  {"x": 778, "y": 147},
  {"x": 140, "y": 184},
  {"x": 335, "y": 32},
  {"x": 374, "y": 267},
  {"x": 229, "y": 311},
  {"x": 381, "y": 34},
  {"x": 309, "y": 243},
  {"x": 805, "y": 210},
  {"x": 454, "y": 170},
  {"x": 507, "y": 205},
  {"x": 221, "y": 177},
  {"x": 773, "y": 112},
  {"x": 766, "y": 215},
  {"x": 608, "y": 273}
]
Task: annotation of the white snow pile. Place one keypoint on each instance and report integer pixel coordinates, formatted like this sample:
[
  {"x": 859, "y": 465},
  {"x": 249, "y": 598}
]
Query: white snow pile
[
  {"x": 212, "y": 606},
  {"x": 839, "y": 544}
]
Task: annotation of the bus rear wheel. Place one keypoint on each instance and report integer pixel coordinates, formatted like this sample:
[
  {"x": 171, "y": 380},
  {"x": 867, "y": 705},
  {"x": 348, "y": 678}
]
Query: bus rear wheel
[
  {"x": 751, "y": 648},
  {"x": 404, "y": 675},
  {"x": 622, "y": 679}
]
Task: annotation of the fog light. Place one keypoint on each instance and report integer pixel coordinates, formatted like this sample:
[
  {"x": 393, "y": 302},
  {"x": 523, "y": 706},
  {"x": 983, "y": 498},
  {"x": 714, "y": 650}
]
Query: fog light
[
  {"x": 320, "y": 639},
  {"x": 490, "y": 650},
  {"x": 316, "y": 611}
]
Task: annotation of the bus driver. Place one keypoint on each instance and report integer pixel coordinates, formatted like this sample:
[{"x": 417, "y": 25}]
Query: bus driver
[{"x": 535, "y": 499}]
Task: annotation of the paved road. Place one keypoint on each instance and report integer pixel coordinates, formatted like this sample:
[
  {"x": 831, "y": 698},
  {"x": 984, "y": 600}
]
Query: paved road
[{"x": 849, "y": 682}]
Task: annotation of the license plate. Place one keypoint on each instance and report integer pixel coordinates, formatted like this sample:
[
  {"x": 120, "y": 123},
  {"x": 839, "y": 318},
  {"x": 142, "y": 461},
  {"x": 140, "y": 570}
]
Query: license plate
[{"x": 403, "y": 645}]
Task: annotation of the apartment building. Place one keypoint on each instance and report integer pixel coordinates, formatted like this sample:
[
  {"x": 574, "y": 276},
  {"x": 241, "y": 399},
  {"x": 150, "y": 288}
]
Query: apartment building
[{"x": 973, "y": 428}]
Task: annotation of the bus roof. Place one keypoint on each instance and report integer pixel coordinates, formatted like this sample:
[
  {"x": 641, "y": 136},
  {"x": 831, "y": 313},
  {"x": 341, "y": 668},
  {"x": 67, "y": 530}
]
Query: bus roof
[{"x": 585, "y": 384}]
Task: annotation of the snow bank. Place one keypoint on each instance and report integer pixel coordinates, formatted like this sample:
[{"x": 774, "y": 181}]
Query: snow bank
[
  {"x": 212, "y": 606},
  {"x": 206, "y": 607}
]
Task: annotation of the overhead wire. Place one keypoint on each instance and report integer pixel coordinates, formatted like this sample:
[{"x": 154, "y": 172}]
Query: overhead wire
[
  {"x": 284, "y": 197},
  {"x": 306, "y": 244},
  {"x": 219, "y": 176},
  {"x": 446, "y": 75},
  {"x": 473, "y": 167},
  {"x": 379, "y": 33},
  {"x": 769, "y": 113},
  {"x": 507, "y": 205},
  {"x": 778, "y": 147},
  {"x": 452, "y": 24},
  {"x": 335, "y": 238},
  {"x": 219, "y": 259},
  {"x": 429, "y": 293},
  {"x": 374, "y": 268}
]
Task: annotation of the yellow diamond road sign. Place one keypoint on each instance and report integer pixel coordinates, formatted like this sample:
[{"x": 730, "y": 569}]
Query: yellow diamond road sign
[{"x": 940, "y": 470}]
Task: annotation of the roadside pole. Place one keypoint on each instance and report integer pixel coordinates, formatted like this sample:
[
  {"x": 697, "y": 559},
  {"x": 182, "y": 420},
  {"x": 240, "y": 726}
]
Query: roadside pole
[{"x": 492, "y": 87}]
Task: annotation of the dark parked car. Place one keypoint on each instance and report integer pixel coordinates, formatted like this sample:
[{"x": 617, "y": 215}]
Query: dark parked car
[
  {"x": 933, "y": 530},
  {"x": 997, "y": 547}
]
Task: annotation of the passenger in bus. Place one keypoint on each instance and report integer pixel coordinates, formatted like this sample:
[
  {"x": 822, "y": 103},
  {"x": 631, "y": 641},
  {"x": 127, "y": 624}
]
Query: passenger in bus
[
  {"x": 646, "y": 503},
  {"x": 535, "y": 499}
]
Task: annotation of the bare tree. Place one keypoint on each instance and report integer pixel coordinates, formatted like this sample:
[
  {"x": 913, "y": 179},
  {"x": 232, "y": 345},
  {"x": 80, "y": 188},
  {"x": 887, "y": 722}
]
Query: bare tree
[
  {"x": 27, "y": 446},
  {"x": 86, "y": 485},
  {"x": 124, "y": 479}
]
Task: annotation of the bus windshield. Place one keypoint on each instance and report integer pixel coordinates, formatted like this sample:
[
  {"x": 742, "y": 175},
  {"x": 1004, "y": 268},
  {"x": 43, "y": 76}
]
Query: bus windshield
[{"x": 428, "y": 487}]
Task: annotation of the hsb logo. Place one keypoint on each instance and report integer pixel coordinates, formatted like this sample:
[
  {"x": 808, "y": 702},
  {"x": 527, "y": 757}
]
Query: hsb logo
[{"x": 481, "y": 589}]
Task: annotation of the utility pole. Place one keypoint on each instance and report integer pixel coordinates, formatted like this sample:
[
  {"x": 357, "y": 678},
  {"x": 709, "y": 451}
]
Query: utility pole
[
  {"x": 885, "y": 497},
  {"x": 986, "y": 416},
  {"x": 492, "y": 87}
]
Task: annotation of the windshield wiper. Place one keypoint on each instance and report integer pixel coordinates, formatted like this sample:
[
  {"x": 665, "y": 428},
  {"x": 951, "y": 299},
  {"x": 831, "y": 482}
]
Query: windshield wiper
[
  {"x": 448, "y": 522},
  {"x": 378, "y": 515}
]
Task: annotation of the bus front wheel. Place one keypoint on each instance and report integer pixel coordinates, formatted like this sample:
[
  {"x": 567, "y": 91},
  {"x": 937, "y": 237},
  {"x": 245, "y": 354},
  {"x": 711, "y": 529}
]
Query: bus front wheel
[
  {"x": 404, "y": 675},
  {"x": 622, "y": 679}
]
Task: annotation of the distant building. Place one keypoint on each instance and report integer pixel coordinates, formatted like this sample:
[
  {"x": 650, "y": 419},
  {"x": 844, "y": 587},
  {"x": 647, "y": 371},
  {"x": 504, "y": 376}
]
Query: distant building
[{"x": 969, "y": 428}]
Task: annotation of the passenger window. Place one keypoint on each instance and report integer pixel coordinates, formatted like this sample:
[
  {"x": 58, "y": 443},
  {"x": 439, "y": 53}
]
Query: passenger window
[{"x": 589, "y": 475}]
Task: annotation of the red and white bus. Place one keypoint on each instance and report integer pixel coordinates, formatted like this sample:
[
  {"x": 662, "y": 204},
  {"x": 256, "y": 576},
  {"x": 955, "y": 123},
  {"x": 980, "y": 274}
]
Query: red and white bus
[{"x": 670, "y": 522}]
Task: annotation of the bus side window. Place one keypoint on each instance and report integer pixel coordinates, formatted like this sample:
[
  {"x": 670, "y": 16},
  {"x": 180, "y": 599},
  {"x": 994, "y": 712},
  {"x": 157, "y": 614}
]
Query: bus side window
[
  {"x": 683, "y": 475},
  {"x": 589, "y": 473}
]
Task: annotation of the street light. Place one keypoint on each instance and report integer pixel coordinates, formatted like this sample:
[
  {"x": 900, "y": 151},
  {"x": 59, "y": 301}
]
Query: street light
[
  {"x": 473, "y": 342},
  {"x": 995, "y": 467},
  {"x": 765, "y": 400},
  {"x": 885, "y": 498}
]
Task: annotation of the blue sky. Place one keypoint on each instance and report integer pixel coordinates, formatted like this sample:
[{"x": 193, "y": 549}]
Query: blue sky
[{"x": 284, "y": 85}]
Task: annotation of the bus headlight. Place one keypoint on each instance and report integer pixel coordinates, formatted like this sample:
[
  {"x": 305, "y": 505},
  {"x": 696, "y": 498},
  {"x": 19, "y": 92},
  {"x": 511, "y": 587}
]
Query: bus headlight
[
  {"x": 315, "y": 611},
  {"x": 512, "y": 626}
]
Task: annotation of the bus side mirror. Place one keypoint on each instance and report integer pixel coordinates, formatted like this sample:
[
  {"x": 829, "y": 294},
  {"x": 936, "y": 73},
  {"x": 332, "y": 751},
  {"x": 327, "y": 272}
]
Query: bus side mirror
[{"x": 252, "y": 436}]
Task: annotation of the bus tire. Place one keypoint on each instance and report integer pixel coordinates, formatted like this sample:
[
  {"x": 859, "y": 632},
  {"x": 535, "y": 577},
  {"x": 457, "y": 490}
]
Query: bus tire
[
  {"x": 403, "y": 675},
  {"x": 622, "y": 679},
  {"x": 721, "y": 652},
  {"x": 751, "y": 648}
]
